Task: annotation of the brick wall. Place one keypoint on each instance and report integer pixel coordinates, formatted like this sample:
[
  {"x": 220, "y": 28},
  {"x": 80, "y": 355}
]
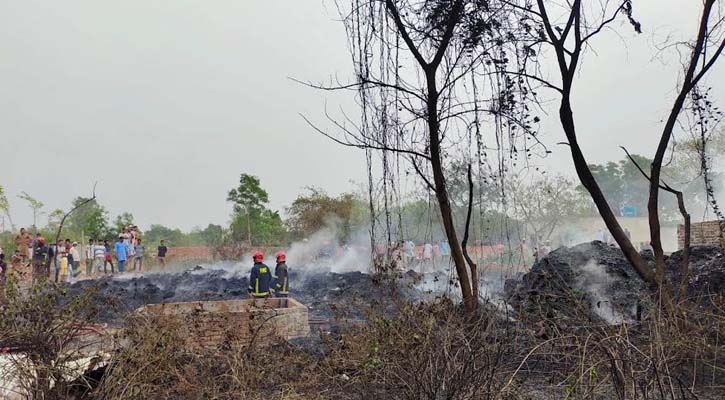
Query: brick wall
[
  {"x": 191, "y": 253},
  {"x": 701, "y": 234},
  {"x": 234, "y": 322}
]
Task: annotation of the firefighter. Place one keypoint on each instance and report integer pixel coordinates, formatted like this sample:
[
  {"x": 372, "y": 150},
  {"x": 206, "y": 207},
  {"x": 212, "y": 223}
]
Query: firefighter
[
  {"x": 260, "y": 280},
  {"x": 281, "y": 276}
]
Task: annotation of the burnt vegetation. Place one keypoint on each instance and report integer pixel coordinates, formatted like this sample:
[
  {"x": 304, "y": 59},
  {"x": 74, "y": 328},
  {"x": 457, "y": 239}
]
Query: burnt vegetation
[{"x": 450, "y": 94}]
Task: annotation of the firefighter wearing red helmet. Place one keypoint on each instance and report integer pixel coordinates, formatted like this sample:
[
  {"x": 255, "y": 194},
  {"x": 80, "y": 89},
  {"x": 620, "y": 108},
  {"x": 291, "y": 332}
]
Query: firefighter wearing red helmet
[
  {"x": 281, "y": 276},
  {"x": 260, "y": 279}
]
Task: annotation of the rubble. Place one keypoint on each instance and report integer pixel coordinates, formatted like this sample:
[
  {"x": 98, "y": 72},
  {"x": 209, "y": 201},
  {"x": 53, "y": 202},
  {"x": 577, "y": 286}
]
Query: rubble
[
  {"x": 232, "y": 322},
  {"x": 594, "y": 282},
  {"x": 323, "y": 293},
  {"x": 565, "y": 286},
  {"x": 707, "y": 270}
]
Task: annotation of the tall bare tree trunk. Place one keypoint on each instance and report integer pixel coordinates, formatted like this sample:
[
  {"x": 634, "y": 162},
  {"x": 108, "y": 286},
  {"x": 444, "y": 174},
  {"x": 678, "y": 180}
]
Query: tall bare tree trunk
[
  {"x": 588, "y": 181},
  {"x": 567, "y": 62},
  {"x": 689, "y": 82},
  {"x": 441, "y": 191},
  {"x": 685, "y": 266}
]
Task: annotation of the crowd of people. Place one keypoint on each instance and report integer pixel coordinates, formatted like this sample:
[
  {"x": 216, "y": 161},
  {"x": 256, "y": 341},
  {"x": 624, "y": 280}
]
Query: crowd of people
[
  {"x": 61, "y": 261},
  {"x": 411, "y": 254}
]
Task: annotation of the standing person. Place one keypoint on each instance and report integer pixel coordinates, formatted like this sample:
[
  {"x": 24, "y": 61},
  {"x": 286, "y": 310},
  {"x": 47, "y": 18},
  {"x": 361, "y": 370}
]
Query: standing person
[
  {"x": 76, "y": 263},
  {"x": 627, "y": 233},
  {"x": 99, "y": 258},
  {"x": 135, "y": 235},
  {"x": 121, "y": 249},
  {"x": 89, "y": 257},
  {"x": 22, "y": 243},
  {"x": 16, "y": 261},
  {"x": 445, "y": 250},
  {"x": 161, "y": 254},
  {"x": 409, "y": 252},
  {"x": 281, "y": 276},
  {"x": 380, "y": 250},
  {"x": 260, "y": 279},
  {"x": 138, "y": 256},
  {"x": 427, "y": 252},
  {"x": 63, "y": 267},
  {"x": 68, "y": 255},
  {"x": 128, "y": 240},
  {"x": 107, "y": 257},
  {"x": 545, "y": 249},
  {"x": 42, "y": 255},
  {"x": 436, "y": 252},
  {"x": 34, "y": 244},
  {"x": 60, "y": 254}
]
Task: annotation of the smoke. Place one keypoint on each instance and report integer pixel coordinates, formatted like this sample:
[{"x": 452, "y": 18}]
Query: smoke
[
  {"x": 323, "y": 252},
  {"x": 443, "y": 282},
  {"x": 594, "y": 280}
]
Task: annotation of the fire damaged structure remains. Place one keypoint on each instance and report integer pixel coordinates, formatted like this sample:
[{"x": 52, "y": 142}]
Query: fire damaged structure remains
[
  {"x": 708, "y": 233},
  {"x": 233, "y": 323}
]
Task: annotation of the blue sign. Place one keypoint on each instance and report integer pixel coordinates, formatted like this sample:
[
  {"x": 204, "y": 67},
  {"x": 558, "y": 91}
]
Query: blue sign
[{"x": 628, "y": 211}]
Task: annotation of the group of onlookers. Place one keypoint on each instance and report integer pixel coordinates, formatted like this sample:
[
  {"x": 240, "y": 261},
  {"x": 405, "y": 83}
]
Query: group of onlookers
[
  {"x": 408, "y": 253},
  {"x": 62, "y": 261}
]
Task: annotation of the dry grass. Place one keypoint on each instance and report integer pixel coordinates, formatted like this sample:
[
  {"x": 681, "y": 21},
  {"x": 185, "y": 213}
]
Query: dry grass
[{"x": 410, "y": 351}]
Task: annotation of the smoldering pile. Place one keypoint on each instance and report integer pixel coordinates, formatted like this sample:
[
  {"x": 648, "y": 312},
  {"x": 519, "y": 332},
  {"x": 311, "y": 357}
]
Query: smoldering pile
[
  {"x": 707, "y": 271},
  {"x": 322, "y": 292},
  {"x": 594, "y": 282}
]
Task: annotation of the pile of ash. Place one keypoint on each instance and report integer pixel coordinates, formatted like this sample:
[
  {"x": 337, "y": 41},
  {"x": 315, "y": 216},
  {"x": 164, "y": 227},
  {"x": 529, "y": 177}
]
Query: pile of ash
[
  {"x": 707, "y": 271},
  {"x": 593, "y": 282},
  {"x": 588, "y": 281},
  {"x": 324, "y": 293}
]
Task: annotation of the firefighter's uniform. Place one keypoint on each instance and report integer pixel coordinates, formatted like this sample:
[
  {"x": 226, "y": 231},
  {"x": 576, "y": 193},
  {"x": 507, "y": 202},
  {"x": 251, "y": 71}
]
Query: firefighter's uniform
[
  {"x": 281, "y": 279},
  {"x": 260, "y": 281}
]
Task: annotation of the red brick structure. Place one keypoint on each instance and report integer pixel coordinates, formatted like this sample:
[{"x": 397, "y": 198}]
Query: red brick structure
[
  {"x": 234, "y": 322},
  {"x": 701, "y": 234}
]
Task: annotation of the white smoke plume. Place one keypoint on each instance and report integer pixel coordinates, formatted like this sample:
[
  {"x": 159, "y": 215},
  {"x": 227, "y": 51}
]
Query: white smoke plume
[
  {"x": 594, "y": 280},
  {"x": 322, "y": 252}
]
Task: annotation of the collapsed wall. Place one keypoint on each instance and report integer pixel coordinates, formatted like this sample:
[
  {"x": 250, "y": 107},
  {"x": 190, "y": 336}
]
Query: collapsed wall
[
  {"x": 205, "y": 324},
  {"x": 708, "y": 233}
]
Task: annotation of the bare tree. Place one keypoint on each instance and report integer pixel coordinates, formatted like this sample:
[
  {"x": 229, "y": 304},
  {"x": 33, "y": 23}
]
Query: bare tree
[
  {"x": 685, "y": 266},
  {"x": 420, "y": 68},
  {"x": 72, "y": 210},
  {"x": 582, "y": 22},
  {"x": 5, "y": 207},
  {"x": 35, "y": 205},
  {"x": 704, "y": 121},
  {"x": 544, "y": 203}
]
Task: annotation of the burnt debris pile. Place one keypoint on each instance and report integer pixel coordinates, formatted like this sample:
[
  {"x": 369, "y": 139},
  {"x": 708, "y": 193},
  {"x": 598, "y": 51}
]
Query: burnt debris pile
[
  {"x": 323, "y": 292},
  {"x": 589, "y": 282},
  {"x": 707, "y": 271},
  {"x": 593, "y": 282}
]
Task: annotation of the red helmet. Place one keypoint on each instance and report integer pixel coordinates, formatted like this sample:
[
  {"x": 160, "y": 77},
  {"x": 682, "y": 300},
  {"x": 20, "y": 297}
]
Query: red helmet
[
  {"x": 281, "y": 257},
  {"x": 258, "y": 256}
]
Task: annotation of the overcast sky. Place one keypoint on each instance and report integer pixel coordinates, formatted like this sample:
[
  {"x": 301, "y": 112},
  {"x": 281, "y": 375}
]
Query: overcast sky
[{"x": 165, "y": 103}]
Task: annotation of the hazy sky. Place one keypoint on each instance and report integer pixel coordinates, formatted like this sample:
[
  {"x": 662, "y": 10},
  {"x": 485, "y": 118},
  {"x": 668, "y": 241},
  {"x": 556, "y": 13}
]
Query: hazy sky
[{"x": 165, "y": 103}]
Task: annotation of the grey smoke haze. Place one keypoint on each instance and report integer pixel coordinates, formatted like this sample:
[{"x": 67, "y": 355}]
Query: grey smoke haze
[
  {"x": 165, "y": 103},
  {"x": 594, "y": 280}
]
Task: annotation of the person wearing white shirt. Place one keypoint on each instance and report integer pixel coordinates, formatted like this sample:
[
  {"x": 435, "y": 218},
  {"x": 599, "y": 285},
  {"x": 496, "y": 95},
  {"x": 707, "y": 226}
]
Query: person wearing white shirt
[
  {"x": 89, "y": 257},
  {"x": 76, "y": 261},
  {"x": 99, "y": 256}
]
